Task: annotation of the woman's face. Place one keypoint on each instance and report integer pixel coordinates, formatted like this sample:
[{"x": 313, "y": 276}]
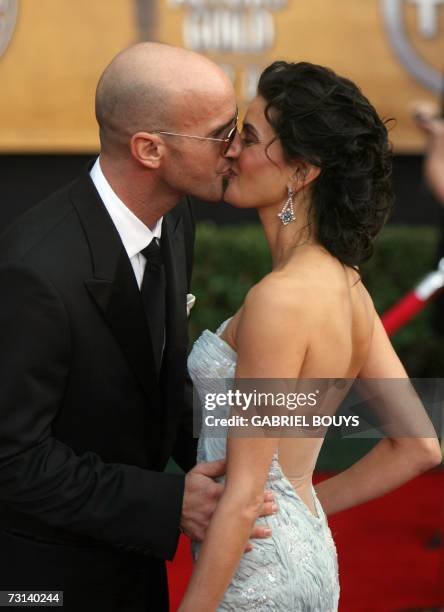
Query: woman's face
[{"x": 261, "y": 173}]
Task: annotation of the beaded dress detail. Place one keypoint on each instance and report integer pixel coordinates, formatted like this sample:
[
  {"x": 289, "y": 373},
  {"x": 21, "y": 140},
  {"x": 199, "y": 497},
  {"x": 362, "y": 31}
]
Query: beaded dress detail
[{"x": 296, "y": 569}]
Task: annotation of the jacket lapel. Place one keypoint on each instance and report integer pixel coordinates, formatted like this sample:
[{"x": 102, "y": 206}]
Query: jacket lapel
[
  {"x": 176, "y": 316},
  {"x": 174, "y": 361},
  {"x": 113, "y": 286}
]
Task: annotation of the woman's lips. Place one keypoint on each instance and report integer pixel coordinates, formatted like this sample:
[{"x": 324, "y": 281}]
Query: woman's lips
[{"x": 230, "y": 173}]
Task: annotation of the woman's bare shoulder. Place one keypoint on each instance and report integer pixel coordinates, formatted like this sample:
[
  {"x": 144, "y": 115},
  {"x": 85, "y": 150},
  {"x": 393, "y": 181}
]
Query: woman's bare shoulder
[
  {"x": 273, "y": 331},
  {"x": 280, "y": 289}
]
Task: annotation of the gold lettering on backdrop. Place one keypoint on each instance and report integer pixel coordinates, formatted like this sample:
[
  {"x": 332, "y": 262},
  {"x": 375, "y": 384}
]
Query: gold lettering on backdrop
[
  {"x": 49, "y": 71},
  {"x": 427, "y": 16},
  {"x": 233, "y": 32}
]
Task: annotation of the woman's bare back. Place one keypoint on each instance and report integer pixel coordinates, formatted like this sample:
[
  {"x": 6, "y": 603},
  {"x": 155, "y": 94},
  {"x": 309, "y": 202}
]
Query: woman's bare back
[{"x": 342, "y": 316}]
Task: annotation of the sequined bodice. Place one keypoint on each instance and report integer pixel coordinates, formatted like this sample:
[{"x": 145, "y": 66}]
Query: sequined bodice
[{"x": 296, "y": 569}]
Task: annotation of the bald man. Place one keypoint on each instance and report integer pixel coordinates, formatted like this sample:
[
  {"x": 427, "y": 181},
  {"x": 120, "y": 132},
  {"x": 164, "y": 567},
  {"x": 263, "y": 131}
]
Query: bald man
[{"x": 93, "y": 328}]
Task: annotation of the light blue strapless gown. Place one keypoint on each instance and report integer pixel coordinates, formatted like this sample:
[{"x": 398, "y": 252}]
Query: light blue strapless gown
[{"x": 296, "y": 569}]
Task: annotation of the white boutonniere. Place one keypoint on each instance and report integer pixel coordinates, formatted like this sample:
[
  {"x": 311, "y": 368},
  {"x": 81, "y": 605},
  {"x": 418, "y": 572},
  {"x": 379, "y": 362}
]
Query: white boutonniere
[{"x": 191, "y": 300}]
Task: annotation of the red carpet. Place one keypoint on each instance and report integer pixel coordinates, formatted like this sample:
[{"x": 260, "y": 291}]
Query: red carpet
[{"x": 387, "y": 560}]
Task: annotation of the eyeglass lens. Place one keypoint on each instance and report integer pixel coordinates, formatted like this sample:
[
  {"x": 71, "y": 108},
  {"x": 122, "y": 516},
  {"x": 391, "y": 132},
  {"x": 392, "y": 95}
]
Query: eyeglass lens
[{"x": 230, "y": 137}]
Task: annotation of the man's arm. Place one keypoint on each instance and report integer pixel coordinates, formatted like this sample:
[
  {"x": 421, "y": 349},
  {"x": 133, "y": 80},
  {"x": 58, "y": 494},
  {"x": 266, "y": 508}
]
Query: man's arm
[
  {"x": 185, "y": 449},
  {"x": 123, "y": 505}
]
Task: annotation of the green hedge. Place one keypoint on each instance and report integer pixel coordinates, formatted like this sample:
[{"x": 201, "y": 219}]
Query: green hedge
[{"x": 230, "y": 259}]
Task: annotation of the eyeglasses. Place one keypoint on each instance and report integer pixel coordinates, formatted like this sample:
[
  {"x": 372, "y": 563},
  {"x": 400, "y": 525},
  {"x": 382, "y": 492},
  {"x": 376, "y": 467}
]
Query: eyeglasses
[{"x": 227, "y": 142}]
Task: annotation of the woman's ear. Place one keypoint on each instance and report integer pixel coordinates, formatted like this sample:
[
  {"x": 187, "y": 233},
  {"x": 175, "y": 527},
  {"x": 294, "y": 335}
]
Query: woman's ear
[
  {"x": 148, "y": 149},
  {"x": 302, "y": 176}
]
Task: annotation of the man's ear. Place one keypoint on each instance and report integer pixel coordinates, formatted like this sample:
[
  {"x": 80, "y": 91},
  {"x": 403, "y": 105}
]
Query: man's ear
[
  {"x": 303, "y": 175},
  {"x": 148, "y": 149}
]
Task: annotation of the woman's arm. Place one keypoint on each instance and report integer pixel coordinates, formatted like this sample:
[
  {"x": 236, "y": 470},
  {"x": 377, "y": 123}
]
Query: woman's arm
[
  {"x": 263, "y": 352},
  {"x": 393, "y": 461}
]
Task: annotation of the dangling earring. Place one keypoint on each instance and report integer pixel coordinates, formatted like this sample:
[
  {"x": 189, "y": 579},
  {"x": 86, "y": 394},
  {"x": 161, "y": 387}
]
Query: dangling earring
[{"x": 287, "y": 213}]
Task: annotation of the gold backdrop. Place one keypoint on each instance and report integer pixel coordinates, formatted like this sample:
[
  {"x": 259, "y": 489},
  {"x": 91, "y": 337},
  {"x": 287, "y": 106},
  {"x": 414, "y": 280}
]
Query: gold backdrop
[{"x": 58, "y": 49}]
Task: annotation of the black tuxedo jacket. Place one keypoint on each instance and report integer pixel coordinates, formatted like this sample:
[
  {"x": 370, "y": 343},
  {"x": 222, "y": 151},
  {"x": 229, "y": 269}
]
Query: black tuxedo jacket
[{"x": 86, "y": 426}]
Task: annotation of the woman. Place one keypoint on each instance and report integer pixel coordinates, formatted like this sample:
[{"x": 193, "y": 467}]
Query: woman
[{"x": 316, "y": 166}]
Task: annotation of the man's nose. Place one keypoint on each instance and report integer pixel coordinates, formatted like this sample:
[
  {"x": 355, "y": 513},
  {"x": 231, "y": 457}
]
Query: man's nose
[{"x": 235, "y": 148}]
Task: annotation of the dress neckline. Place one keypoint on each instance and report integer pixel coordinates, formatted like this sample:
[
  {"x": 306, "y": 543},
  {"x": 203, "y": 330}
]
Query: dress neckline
[{"x": 219, "y": 331}]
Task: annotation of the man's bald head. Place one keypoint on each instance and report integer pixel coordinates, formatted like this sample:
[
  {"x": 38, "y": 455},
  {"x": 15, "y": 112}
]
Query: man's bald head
[{"x": 146, "y": 86}]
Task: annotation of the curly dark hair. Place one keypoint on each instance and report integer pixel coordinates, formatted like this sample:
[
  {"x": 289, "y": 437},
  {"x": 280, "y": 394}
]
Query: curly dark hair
[{"x": 325, "y": 120}]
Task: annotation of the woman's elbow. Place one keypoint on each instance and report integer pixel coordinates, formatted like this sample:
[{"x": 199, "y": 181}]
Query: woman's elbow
[
  {"x": 432, "y": 454},
  {"x": 423, "y": 453}
]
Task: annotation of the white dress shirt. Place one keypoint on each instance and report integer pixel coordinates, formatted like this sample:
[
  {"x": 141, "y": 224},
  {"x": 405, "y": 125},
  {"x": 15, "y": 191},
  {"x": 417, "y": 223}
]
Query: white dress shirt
[{"x": 134, "y": 234}]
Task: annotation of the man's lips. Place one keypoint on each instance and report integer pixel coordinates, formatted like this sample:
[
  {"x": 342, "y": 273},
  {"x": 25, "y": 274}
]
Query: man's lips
[{"x": 230, "y": 173}]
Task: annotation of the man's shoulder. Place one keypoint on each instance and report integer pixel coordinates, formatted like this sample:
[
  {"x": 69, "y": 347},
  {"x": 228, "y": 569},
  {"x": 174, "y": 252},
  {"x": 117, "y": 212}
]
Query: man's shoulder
[{"x": 38, "y": 227}]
